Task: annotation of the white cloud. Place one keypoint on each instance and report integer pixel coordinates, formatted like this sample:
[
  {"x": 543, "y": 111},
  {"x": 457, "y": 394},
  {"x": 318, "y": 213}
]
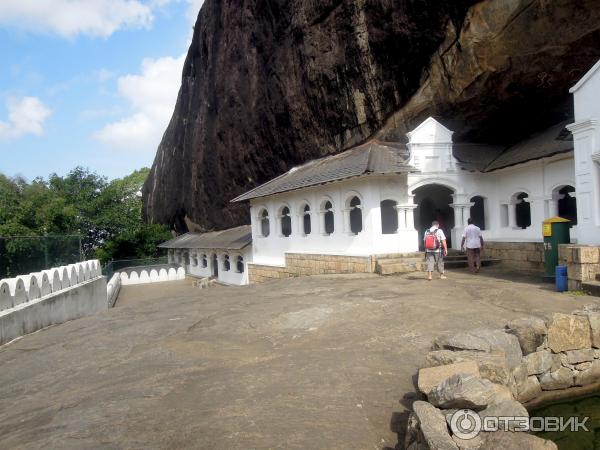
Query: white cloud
[
  {"x": 193, "y": 9},
  {"x": 69, "y": 18},
  {"x": 25, "y": 116},
  {"x": 151, "y": 96}
]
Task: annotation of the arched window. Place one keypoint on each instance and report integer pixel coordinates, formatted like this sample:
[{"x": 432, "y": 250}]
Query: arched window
[
  {"x": 328, "y": 219},
  {"x": 204, "y": 261},
  {"x": 226, "y": 263},
  {"x": 477, "y": 211},
  {"x": 522, "y": 210},
  {"x": 265, "y": 227},
  {"x": 355, "y": 212},
  {"x": 306, "y": 224},
  {"x": 240, "y": 264},
  {"x": 389, "y": 217},
  {"x": 186, "y": 258},
  {"x": 567, "y": 204},
  {"x": 195, "y": 259},
  {"x": 286, "y": 222}
]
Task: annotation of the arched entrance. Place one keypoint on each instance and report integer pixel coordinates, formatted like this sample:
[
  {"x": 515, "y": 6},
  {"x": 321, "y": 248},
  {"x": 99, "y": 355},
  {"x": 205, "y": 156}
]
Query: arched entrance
[{"x": 433, "y": 203}]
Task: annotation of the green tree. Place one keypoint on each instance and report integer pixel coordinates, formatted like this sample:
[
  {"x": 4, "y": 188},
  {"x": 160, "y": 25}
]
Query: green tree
[{"x": 107, "y": 215}]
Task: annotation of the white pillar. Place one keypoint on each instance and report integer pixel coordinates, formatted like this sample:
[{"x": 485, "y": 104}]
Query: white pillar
[
  {"x": 346, "y": 220},
  {"x": 553, "y": 204},
  {"x": 402, "y": 222},
  {"x": 512, "y": 214}
]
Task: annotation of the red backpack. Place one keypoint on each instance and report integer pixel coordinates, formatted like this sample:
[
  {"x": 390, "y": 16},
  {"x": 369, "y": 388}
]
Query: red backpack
[{"x": 431, "y": 240}]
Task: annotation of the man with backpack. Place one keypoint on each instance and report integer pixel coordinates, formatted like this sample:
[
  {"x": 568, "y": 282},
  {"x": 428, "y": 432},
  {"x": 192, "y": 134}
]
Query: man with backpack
[
  {"x": 435, "y": 250},
  {"x": 474, "y": 240}
]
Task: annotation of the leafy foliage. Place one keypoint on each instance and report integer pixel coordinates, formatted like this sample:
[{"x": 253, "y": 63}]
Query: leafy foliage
[{"x": 107, "y": 215}]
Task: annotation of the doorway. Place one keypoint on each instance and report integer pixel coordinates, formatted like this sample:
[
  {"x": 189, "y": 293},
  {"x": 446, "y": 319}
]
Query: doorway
[
  {"x": 215, "y": 266},
  {"x": 433, "y": 203}
]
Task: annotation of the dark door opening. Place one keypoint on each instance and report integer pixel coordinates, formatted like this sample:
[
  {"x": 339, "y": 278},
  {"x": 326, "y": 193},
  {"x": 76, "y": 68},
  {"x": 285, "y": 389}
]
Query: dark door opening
[
  {"x": 433, "y": 203},
  {"x": 215, "y": 266}
]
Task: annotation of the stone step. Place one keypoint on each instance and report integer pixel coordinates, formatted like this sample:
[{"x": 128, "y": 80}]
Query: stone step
[
  {"x": 459, "y": 264},
  {"x": 400, "y": 260},
  {"x": 388, "y": 269},
  {"x": 591, "y": 288}
]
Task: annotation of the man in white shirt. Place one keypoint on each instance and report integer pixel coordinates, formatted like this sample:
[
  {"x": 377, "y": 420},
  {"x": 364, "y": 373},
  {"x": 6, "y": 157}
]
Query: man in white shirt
[
  {"x": 474, "y": 242},
  {"x": 435, "y": 249}
]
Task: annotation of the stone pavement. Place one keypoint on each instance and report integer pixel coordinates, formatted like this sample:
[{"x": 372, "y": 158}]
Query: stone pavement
[{"x": 303, "y": 363}]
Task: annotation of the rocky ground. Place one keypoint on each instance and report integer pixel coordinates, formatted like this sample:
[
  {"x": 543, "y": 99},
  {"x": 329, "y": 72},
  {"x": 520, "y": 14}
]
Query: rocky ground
[{"x": 318, "y": 362}]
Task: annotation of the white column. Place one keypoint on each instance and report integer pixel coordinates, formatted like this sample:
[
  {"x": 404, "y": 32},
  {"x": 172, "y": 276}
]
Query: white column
[
  {"x": 512, "y": 214},
  {"x": 402, "y": 222},
  {"x": 346, "y": 220},
  {"x": 553, "y": 204}
]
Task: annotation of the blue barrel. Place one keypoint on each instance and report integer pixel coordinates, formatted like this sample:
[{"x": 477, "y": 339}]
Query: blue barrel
[{"x": 561, "y": 279}]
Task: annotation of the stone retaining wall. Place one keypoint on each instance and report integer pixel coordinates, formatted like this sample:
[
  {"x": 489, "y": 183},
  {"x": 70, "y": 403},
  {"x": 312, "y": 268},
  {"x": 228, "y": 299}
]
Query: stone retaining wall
[
  {"x": 496, "y": 372},
  {"x": 301, "y": 264},
  {"x": 582, "y": 261},
  {"x": 528, "y": 256}
]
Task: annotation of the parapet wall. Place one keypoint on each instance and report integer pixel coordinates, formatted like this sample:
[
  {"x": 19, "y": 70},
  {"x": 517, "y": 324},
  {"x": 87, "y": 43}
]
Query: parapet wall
[
  {"x": 31, "y": 302},
  {"x": 301, "y": 264},
  {"x": 527, "y": 256},
  {"x": 583, "y": 264},
  {"x": 143, "y": 275}
]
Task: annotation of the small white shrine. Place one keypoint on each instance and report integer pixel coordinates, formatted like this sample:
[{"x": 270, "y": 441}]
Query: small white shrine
[{"x": 379, "y": 197}]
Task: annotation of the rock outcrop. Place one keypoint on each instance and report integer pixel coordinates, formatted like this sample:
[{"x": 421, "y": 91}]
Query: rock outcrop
[{"x": 269, "y": 85}]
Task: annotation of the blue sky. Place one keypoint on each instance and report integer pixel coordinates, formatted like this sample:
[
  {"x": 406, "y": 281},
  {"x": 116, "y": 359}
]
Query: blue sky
[{"x": 88, "y": 82}]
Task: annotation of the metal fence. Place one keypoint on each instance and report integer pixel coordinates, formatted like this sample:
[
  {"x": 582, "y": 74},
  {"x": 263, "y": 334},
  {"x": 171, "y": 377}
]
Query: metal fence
[
  {"x": 21, "y": 255},
  {"x": 122, "y": 264}
]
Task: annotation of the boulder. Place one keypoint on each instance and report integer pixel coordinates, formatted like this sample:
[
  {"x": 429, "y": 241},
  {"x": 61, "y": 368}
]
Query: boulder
[
  {"x": 583, "y": 366},
  {"x": 492, "y": 365},
  {"x": 541, "y": 361},
  {"x": 484, "y": 340},
  {"x": 559, "y": 379},
  {"x": 502, "y": 392},
  {"x": 468, "y": 444},
  {"x": 589, "y": 375},
  {"x": 569, "y": 332},
  {"x": 462, "y": 391},
  {"x": 594, "y": 319},
  {"x": 529, "y": 389},
  {"x": 433, "y": 426},
  {"x": 507, "y": 408},
  {"x": 520, "y": 373},
  {"x": 530, "y": 331},
  {"x": 508, "y": 440},
  {"x": 432, "y": 376},
  {"x": 577, "y": 356}
]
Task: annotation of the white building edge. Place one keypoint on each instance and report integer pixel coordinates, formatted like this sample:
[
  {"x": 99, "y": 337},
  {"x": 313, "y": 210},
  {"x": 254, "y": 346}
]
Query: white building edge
[{"x": 379, "y": 197}]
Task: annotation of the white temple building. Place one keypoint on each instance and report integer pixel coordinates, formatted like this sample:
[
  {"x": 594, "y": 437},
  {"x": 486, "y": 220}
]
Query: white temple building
[{"x": 379, "y": 197}]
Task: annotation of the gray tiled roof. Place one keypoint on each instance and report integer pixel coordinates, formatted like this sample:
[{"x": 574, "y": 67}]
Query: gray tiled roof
[
  {"x": 371, "y": 157},
  {"x": 231, "y": 239},
  {"x": 551, "y": 141}
]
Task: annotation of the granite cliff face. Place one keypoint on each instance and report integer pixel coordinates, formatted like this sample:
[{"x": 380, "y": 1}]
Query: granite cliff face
[{"x": 270, "y": 84}]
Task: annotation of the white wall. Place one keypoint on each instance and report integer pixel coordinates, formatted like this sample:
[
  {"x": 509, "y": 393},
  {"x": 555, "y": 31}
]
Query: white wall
[
  {"x": 371, "y": 190},
  {"x": 586, "y": 137},
  {"x": 539, "y": 179},
  {"x": 231, "y": 276}
]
